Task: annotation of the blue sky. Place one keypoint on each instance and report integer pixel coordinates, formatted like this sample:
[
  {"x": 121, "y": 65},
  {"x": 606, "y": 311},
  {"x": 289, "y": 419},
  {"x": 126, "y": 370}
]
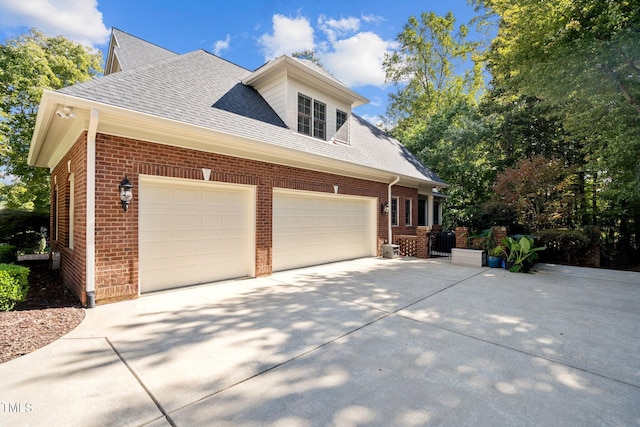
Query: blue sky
[{"x": 350, "y": 37}]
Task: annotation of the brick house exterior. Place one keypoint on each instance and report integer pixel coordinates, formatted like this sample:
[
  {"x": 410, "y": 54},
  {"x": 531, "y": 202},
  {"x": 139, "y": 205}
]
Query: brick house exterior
[{"x": 100, "y": 242}]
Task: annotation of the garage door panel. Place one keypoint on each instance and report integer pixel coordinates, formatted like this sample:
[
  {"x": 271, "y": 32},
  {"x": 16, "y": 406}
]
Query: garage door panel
[
  {"x": 212, "y": 199},
  {"x": 186, "y": 222},
  {"x": 194, "y": 232},
  {"x": 313, "y": 228},
  {"x": 157, "y": 222},
  {"x": 235, "y": 222},
  {"x": 235, "y": 199},
  {"x": 155, "y": 250},
  {"x": 212, "y": 221},
  {"x": 186, "y": 195}
]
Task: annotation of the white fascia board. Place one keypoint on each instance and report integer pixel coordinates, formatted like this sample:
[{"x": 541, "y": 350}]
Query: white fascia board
[
  {"x": 64, "y": 132},
  {"x": 40, "y": 130},
  {"x": 142, "y": 126}
]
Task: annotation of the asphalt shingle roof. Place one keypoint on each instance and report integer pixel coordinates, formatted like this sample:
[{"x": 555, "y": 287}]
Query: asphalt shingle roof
[
  {"x": 134, "y": 52},
  {"x": 202, "y": 89}
]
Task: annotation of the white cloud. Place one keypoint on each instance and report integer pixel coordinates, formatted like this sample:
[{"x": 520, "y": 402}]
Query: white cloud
[
  {"x": 78, "y": 20},
  {"x": 357, "y": 61},
  {"x": 376, "y": 101},
  {"x": 338, "y": 28},
  {"x": 353, "y": 56},
  {"x": 375, "y": 19},
  {"x": 221, "y": 45},
  {"x": 289, "y": 35},
  {"x": 374, "y": 120}
]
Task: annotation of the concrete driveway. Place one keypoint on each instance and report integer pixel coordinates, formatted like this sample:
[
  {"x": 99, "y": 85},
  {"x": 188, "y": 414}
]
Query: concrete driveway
[{"x": 366, "y": 342}]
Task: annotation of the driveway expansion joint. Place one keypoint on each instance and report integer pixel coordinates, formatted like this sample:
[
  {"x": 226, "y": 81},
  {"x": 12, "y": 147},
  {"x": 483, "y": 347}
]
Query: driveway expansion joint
[{"x": 142, "y": 384}]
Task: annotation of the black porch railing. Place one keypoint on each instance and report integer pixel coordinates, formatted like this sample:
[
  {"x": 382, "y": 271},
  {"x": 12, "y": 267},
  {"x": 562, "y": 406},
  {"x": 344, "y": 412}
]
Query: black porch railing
[{"x": 441, "y": 243}]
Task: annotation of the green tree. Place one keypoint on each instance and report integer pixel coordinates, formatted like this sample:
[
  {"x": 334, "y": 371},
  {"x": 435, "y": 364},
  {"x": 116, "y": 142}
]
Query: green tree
[
  {"x": 29, "y": 64},
  {"x": 434, "y": 112},
  {"x": 582, "y": 59},
  {"x": 309, "y": 55},
  {"x": 539, "y": 191},
  {"x": 454, "y": 143},
  {"x": 429, "y": 69}
]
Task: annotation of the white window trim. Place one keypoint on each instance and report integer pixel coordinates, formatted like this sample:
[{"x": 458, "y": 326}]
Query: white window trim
[
  {"x": 346, "y": 118},
  {"x": 408, "y": 212},
  {"x": 313, "y": 119},
  {"x": 395, "y": 216},
  {"x": 309, "y": 117},
  {"x": 318, "y": 120}
]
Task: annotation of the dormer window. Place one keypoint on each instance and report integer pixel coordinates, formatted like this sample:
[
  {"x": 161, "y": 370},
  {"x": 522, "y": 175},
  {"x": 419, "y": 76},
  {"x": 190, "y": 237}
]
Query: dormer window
[
  {"x": 305, "y": 115},
  {"x": 319, "y": 120},
  {"x": 307, "y": 98},
  {"x": 341, "y": 118}
]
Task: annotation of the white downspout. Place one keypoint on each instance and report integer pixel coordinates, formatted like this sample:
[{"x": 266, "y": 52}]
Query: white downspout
[
  {"x": 391, "y": 185},
  {"x": 91, "y": 209}
]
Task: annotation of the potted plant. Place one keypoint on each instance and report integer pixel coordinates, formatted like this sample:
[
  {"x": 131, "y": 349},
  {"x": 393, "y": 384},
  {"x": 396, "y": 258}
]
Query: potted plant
[
  {"x": 494, "y": 259},
  {"x": 521, "y": 253}
]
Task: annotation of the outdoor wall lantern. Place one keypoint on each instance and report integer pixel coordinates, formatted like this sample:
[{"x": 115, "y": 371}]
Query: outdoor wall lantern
[
  {"x": 384, "y": 208},
  {"x": 126, "y": 193}
]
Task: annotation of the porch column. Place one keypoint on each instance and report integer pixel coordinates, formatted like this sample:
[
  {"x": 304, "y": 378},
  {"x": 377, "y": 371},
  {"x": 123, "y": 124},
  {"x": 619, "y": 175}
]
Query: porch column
[
  {"x": 430, "y": 210},
  {"x": 440, "y": 212}
]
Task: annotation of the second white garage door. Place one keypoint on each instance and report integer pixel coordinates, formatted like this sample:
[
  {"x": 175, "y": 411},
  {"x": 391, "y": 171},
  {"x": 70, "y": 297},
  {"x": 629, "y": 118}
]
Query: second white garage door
[
  {"x": 313, "y": 228},
  {"x": 193, "y": 232}
]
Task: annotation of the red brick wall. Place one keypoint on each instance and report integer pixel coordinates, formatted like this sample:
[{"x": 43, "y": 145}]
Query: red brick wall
[
  {"x": 462, "y": 233},
  {"x": 462, "y": 236},
  {"x": 498, "y": 234},
  {"x": 72, "y": 260},
  {"x": 117, "y": 231},
  {"x": 423, "y": 236}
]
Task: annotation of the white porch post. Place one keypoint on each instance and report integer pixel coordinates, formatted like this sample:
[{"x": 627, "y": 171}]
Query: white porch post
[
  {"x": 440, "y": 212},
  {"x": 430, "y": 210},
  {"x": 395, "y": 181}
]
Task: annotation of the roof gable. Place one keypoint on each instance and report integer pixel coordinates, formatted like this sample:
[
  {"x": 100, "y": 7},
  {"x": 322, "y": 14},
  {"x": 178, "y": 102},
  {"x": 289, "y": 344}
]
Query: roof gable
[
  {"x": 183, "y": 87},
  {"x": 127, "y": 52}
]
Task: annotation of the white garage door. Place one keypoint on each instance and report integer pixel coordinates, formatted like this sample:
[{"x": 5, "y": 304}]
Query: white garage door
[
  {"x": 193, "y": 232},
  {"x": 314, "y": 228}
]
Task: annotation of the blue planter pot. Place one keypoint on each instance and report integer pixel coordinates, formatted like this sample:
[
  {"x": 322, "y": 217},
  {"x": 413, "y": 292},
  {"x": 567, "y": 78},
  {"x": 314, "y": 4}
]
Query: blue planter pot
[
  {"x": 507, "y": 264},
  {"x": 494, "y": 261}
]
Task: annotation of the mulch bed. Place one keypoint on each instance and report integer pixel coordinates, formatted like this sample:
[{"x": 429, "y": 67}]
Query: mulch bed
[{"x": 50, "y": 311}]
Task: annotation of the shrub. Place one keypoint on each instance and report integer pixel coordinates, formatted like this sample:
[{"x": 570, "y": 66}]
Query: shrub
[
  {"x": 14, "y": 284},
  {"x": 30, "y": 242},
  {"x": 24, "y": 230},
  {"x": 564, "y": 245},
  {"x": 7, "y": 253},
  {"x": 521, "y": 251}
]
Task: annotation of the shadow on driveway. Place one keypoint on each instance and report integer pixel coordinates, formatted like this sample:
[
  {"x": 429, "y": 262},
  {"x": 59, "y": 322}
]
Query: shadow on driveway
[{"x": 365, "y": 342}]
